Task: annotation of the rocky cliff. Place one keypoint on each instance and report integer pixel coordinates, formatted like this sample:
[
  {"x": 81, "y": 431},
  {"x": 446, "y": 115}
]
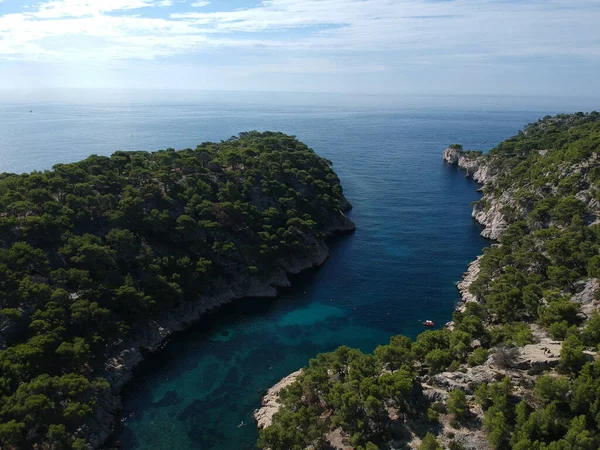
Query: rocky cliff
[{"x": 487, "y": 211}]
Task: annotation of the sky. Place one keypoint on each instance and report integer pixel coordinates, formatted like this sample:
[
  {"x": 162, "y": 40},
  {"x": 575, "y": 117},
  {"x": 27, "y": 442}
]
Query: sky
[{"x": 476, "y": 47}]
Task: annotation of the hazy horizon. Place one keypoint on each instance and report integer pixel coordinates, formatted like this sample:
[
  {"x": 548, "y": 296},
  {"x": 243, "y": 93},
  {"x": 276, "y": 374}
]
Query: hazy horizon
[{"x": 360, "y": 102}]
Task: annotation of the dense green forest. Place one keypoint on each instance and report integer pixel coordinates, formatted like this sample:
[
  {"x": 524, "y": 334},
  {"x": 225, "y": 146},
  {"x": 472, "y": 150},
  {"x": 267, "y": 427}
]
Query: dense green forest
[
  {"x": 546, "y": 181},
  {"x": 91, "y": 250}
]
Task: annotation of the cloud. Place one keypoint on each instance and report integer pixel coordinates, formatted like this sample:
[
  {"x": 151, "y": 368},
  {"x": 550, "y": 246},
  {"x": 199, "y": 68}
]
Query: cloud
[
  {"x": 301, "y": 36},
  {"x": 80, "y": 8}
]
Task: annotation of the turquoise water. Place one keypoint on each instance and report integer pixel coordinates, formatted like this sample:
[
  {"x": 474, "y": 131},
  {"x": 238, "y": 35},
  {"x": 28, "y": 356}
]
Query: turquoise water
[{"x": 414, "y": 239}]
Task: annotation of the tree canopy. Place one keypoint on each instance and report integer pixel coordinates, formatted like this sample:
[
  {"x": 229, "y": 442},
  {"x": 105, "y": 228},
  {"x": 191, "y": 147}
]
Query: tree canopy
[{"x": 90, "y": 251}]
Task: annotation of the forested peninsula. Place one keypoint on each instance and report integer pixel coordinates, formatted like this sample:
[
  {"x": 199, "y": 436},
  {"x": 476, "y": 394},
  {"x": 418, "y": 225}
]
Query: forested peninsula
[
  {"x": 103, "y": 259},
  {"x": 518, "y": 365}
]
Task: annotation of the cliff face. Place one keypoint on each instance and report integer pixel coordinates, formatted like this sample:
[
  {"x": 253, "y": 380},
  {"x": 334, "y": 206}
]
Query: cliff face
[
  {"x": 471, "y": 163},
  {"x": 488, "y": 211}
]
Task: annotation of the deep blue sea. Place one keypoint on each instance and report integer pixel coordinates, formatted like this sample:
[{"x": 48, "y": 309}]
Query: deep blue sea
[{"x": 414, "y": 235}]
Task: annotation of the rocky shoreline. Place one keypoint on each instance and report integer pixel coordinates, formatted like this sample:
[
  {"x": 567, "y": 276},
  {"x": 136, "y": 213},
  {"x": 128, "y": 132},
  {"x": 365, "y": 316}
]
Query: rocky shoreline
[
  {"x": 152, "y": 336},
  {"x": 463, "y": 286},
  {"x": 270, "y": 402},
  {"x": 487, "y": 211}
]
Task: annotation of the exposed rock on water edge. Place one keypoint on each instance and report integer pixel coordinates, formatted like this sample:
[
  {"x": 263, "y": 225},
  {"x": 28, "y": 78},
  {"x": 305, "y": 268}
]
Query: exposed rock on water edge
[
  {"x": 468, "y": 278},
  {"x": 270, "y": 402},
  {"x": 470, "y": 163},
  {"x": 153, "y": 335},
  {"x": 488, "y": 210}
]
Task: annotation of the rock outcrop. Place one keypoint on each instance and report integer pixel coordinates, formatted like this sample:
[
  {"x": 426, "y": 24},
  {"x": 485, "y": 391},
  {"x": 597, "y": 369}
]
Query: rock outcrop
[
  {"x": 587, "y": 297},
  {"x": 488, "y": 212},
  {"x": 470, "y": 164},
  {"x": 270, "y": 402},
  {"x": 545, "y": 353},
  {"x": 467, "y": 380},
  {"x": 468, "y": 278},
  {"x": 587, "y": 294}
]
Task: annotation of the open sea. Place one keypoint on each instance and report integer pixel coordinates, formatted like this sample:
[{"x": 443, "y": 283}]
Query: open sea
[{"x": 414, "y": 238}]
